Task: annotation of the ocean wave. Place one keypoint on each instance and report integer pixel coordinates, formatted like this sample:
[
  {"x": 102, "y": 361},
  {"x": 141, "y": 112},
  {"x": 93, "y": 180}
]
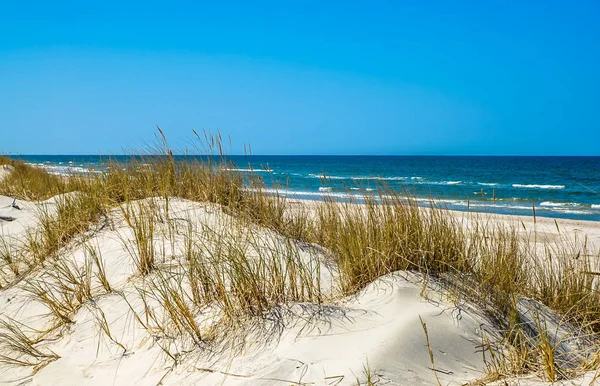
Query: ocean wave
[
  {"x": 324, "y": 192},
  {"x": 570, "y": 211},
  {"x": 300, "y": 193},
  {"x": 415, "y": 180},
  {"x": 501, "y": 206},
  {"x": 441, "y": 183},
  {"x": 487, "y": 183},
  {"x": 328, "y": 177},
  {"x": 558, "y": 204},
  {"x": 557, "y": 209},
  {"x": 482, "y": 204},
  {"x": 357, "y": 178},
  {"x": 380, "y": 178},
  {"x": 248, "y": 170},
  {"x": 64, "y": 170},
  {"x": 511, "y": 199},
  {"x": 569, "y": 208},
  {"x": 535, "y": 186},
  {"x": 444, "y": 202}
]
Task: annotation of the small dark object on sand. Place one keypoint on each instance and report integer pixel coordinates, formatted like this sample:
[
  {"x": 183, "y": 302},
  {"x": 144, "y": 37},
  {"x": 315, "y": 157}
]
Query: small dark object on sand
[
  {"x": 7, "y": 218},
  {"x": 14, "y": 204}
]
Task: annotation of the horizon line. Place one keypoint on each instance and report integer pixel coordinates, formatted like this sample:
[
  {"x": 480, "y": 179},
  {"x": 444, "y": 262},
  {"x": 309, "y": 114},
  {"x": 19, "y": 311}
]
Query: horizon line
[{"x": 305, "y": 155}]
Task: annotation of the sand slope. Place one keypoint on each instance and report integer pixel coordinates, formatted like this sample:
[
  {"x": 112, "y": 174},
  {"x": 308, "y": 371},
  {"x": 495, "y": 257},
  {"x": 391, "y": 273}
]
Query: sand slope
[
  {"x": 380, "y": 327},
  {"x": 5, "y": 170},
  {"x": 297, "y": 343}
]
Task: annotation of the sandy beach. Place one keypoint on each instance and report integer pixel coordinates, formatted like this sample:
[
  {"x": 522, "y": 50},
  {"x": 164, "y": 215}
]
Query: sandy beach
[
  {"x": 299, "y": 193},
  {"x": 402, "y": 329}
]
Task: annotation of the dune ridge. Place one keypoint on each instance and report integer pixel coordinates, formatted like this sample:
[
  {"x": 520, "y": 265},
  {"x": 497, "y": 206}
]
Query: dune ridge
[{"x": 190, "y": 279}]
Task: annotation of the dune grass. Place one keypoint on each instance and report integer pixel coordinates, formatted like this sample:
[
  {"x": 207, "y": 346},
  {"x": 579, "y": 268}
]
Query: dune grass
[
  {"x": 241, "y": 278},
  {"x": 31, "y": 183},
  {"x": 18, "y": 349}
]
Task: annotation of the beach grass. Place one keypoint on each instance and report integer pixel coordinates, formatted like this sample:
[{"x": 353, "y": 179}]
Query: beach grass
[
  {"x": 241, "y": 276},
  {"x": 18, "y": 349}
]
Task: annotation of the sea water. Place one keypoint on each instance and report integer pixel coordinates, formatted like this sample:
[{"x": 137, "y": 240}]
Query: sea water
[{"x": 560, "y": 187}]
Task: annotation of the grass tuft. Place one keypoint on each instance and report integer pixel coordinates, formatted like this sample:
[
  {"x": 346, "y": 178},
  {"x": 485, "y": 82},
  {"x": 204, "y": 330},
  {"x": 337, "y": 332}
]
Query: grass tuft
[{"x": 240, "y": 271}]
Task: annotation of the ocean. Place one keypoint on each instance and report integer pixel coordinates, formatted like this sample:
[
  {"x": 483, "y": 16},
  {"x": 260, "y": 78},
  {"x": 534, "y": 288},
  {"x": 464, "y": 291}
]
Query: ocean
[{"x": 559, "y": 187}]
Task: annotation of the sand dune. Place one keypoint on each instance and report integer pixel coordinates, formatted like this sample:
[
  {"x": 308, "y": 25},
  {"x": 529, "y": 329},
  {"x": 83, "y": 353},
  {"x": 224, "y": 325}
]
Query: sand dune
[
  {"x": 378, "y": 328},
  {"x": 376, "y": 334}
]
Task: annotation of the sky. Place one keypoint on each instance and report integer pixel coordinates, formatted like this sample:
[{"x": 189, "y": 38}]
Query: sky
[{"x": 302, "y": 77}]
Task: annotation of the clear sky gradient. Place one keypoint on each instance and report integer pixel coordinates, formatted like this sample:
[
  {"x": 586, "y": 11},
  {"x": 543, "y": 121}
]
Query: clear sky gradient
[{"x": 303, "y": 77}]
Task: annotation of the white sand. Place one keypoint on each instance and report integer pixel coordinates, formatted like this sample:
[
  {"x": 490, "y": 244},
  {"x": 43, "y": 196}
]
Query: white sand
[
  {"x": 542, "y": 230},
  {"x": 4, "y": 171},
  {"x": 304, "y": 344}
]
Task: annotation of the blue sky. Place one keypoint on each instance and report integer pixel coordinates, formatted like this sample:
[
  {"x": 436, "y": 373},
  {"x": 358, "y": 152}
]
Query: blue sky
[{"x": 303, "y": 77}]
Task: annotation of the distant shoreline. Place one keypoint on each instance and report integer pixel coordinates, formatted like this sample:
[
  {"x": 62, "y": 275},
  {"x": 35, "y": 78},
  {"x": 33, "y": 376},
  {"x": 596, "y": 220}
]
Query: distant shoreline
[{"x": 558, "y": 187}]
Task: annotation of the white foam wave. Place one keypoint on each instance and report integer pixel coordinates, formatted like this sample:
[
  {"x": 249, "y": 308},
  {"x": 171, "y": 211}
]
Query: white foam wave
[
  {"x": 328, "y": 193},
  {"x": 298, "y": 194},
  {"x": 329, "y": 177},
  {"x": 558, "y": 204},
  {"x": 474, "y": 204},
  {"x": 535, "y": 186},
  {"x": 380, "y": 178},
  {"x": 357, "y": 178},
  {"x": 325, "y": 189},
  {"x": 450, "y": 203},
  {"x": 568, "y": 208},
  {"x": 366, "y": 190},
  {"x": 488, "y": 183},
  {"x": 60, "y": 170},
  {"x": 570, "y": 211},
  {"x": 248, "y": 170},
  {"x": 440, "y": 183}
]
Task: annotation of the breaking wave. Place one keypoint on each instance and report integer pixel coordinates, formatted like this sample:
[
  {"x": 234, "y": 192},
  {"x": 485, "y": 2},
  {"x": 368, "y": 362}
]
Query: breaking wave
[{"x": 535, "y": 186}]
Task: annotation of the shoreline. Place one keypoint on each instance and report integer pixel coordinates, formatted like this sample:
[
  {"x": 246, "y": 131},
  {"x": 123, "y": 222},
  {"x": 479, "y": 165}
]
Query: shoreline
[
  {"x": 539, "y": 217},
  {"x": 453, "y": 204},
  {"x": 549, "y": 230},
  {"x": 142, "y": 302},
  {"x": 379, "y": 328},
  {"x": 562, "y": 196}
]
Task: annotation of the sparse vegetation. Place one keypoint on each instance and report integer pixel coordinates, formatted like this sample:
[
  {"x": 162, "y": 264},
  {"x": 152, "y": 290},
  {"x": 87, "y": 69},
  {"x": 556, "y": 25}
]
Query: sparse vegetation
[
  {"x": 141, "y": 219},
  {"x": 19, "y": 349},
  {"x": 240, "y": 274}
]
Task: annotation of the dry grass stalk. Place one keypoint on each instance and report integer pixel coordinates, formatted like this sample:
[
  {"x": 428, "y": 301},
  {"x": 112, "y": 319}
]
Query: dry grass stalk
[
  {"x": 388, "y": 233},
  {"x": 93, "y": 254},
  {"x": 431, "y": 358},
  {"x": 104, "y": 327},
  {"x": 9, "y": 255},
  {"x": 141, "y": 218},
  {"x": 17, "y": 349}
]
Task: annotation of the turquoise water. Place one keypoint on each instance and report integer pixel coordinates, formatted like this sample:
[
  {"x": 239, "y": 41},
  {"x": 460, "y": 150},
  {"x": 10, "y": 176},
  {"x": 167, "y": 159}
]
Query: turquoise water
[{"x": 561, "y": 187}]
